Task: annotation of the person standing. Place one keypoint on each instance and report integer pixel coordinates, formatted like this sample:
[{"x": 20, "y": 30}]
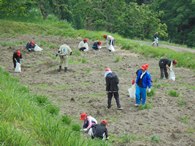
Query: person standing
[
  {"x": 17, "y": 56},
  {"x": 83, "y": 45},
  {"x": 155, "y": 42},
  {"x": 63, "y": 52},
  {"x": 88, "y": 121},
  {"x": 99, "y": 130},
  {"x": 112, "y": 88},
  {"x": 143, "y": 81},
  {"x": 109, "y": 42},
  {"x": 165, "y": 64}
]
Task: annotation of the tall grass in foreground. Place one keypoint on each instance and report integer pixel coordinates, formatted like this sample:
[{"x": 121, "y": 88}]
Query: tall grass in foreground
[{"x": 28, "y": 119}]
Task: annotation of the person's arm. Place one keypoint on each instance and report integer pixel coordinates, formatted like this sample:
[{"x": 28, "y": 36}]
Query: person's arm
[
  {"x": 117, "y": 79},
  {"x": 149, "y": 80}
]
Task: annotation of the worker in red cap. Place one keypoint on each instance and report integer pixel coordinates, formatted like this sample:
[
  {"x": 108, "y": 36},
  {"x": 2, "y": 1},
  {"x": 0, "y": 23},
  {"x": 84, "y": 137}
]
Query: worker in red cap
[
  {"x": 109, "y": 42},
  {"x": 83, "y": 45},
  {"x": 100, "y": 130},
  {"x": 17, "y": 56},
  {"x": 88, "y": 121},
  {"x": 143, "y": 81},
  {"x": 97, "y": 45},
  {"x": 164, "y": 65},
  {"x": 30, "y": 45},
  {"x": 112, "y": 82}
]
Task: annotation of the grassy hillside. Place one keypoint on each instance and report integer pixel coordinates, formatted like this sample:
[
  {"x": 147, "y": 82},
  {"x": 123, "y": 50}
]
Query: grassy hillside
[{"x": 28, "y": 119}]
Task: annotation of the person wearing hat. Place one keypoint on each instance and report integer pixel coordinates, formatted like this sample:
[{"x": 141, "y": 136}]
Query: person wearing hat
[
  {"x": 64, "y": 52},
  {"x": 112, "y": 82},
  {"x": 165, "y": 64},
  {"x": 109, "y": 42},
  {"x": 88, "y": 121},
  {"x": 97, "y": 45},
  {"x": 143, "y": 81},
  {"x": 17, "y": 56},
  {"x": 30, "y": 46},
  {"x": 99, "y": 131},
  {"x": 83, "y": 45},
  {"x": 155, "y": 42}
]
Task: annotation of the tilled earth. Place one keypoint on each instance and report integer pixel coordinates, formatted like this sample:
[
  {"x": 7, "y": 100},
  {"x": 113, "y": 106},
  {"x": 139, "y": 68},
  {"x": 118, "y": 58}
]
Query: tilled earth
[{"x": 170, "y": 121}]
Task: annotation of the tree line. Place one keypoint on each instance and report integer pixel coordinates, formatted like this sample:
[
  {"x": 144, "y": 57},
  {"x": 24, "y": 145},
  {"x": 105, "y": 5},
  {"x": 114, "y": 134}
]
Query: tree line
[{"x": 174, "y": 20}]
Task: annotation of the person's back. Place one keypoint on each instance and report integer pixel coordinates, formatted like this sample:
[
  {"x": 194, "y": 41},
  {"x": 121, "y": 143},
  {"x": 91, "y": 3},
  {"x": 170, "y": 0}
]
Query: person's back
[
  {"x": 99, "y": 130},
  {"x": 163, "y": 62},
  {"x": 64, "y": 50},
  {"x": 112, "y": 82}
]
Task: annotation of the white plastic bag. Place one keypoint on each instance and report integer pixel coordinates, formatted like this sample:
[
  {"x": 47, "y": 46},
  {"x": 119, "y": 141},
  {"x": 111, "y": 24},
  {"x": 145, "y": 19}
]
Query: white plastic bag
[
  {"x": 172, "y": 75},
  {"x": 37, "y": 48},
  {"x": 132, "y": 91},
  {"x": 111, "y": 48},
  {"x": 18, "y": 67}
]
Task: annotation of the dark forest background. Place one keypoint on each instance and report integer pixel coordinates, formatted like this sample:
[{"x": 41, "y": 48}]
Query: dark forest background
[{"x": 174, "y": 20}]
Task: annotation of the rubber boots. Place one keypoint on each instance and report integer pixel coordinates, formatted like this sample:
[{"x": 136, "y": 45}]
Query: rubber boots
[
  {"x": 65, "y": 69},
  {"x": 60, "y": 68}
]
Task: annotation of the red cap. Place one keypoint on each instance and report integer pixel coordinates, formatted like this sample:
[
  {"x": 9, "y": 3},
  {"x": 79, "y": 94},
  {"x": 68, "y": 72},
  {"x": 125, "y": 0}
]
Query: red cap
[
  {"x": 105, "y": 36},
  {"x": 32, "y": 42},
  {"x": 107, "y": 69},
  {"x": 18, "y": 52},
  {"x": 83, "y": 116},
  {"x": 105, "y": 122},
  {"x": 85, "y": 40},
  {"x": 99, "y": 42},
  {"x": 174, "y": 62},
  {"x": 144, "y": 67}
]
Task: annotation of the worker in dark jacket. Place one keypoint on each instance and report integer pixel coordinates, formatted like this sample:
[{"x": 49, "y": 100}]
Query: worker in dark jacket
[
  {"x": 112, "y": 82},
  {"x": 30, "y": 46},
  {"x": 16, "y": 57},
  {"x": 165, "y": 64},
  {"x": 97, "y": 45},
  {"x": 100, "y": 130}
]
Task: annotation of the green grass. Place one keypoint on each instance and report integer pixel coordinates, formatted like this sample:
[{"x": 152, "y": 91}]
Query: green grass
[
  {"x": 185, "y": 119},
  {"x": 28, "y": 119},
  {"x": 56, "y": 28},
  {"x": 173, "y": 93},
  {"x": 155, "y": 139}
]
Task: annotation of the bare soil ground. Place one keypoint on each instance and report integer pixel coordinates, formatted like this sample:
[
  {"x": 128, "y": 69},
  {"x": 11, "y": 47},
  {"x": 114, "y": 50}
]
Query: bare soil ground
[{"x": 171, "y": 120}]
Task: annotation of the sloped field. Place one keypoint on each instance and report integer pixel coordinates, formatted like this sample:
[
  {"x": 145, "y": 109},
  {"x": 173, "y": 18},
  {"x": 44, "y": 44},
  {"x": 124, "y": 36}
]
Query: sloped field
[{"x": 169, "y": 119}]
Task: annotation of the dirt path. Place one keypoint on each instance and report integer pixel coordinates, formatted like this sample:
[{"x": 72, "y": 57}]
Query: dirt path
[
  {"x": 175, "y": 48},
  {"x": 82, "y": 88}
]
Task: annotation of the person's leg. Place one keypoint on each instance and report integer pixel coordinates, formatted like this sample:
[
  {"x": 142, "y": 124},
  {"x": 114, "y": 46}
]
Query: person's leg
[
  {"x": 116, "y": 96},
  {"x": 82, "y": 48},
  {"x": 137, "y": 93},
  {"x": 66, "y": 63},
  {"x": 161, "y": 72},
  {"x": 166, "y": 73},
  {"x": 143, "y": 95},
  {"x": 14, "y": 62},
  {"x": 61, "y": 62},
  {"x": 109, "y": 94}
]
